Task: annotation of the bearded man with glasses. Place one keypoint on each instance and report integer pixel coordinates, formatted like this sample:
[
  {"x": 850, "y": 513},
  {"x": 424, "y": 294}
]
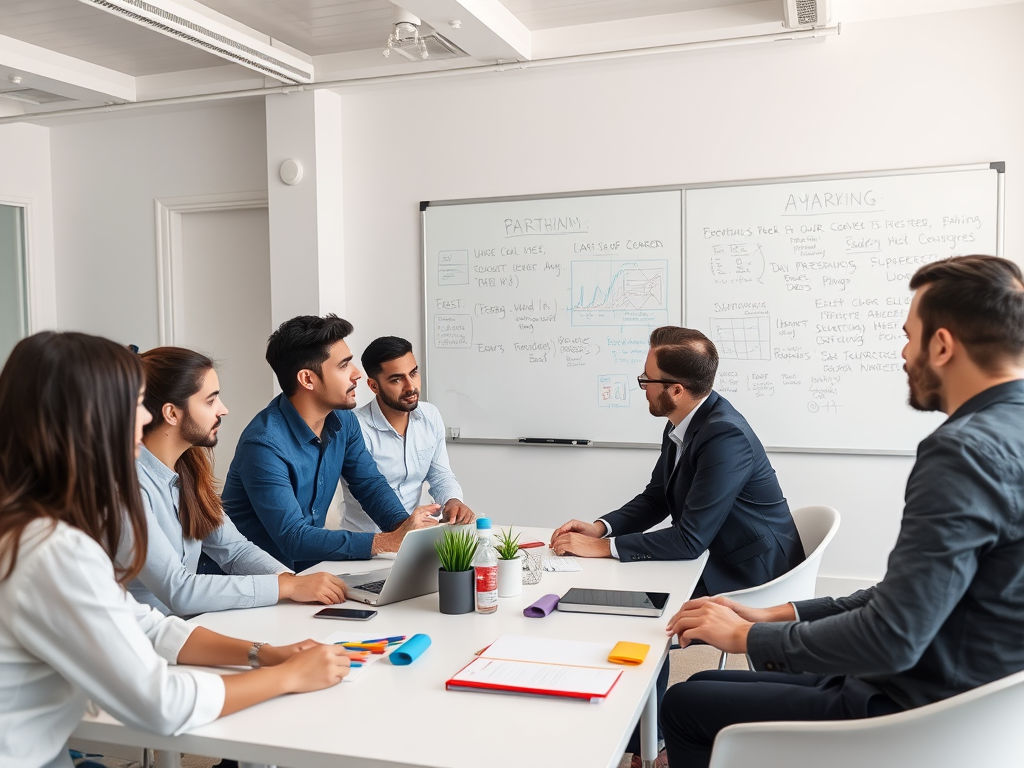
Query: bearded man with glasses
[{"x": 713, "y": 479}]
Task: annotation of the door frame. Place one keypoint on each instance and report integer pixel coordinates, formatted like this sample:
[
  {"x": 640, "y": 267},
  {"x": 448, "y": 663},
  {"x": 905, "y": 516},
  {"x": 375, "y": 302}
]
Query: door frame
[{"x": 169, "y": 257}]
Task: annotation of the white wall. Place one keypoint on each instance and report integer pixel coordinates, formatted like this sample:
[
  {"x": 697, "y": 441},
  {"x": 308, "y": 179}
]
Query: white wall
[
  {"x": 25, "y": 181},
  {"x": 107, "y": 173},
  {"x": 932, "y": 90}
]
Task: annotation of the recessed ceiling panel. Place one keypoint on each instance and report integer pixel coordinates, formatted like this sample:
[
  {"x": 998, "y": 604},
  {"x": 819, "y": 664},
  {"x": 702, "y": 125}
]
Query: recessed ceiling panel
[{"x": 315, "y": 27}]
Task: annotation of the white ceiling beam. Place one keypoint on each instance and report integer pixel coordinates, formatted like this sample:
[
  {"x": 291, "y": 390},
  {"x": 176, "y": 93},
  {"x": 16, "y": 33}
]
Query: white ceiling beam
[
  {"x": 61, "y": 74},
  {"x": 486, "y": 29},
  {"x": 196, "y": 82},
  {"x": 194, "y": 24}
]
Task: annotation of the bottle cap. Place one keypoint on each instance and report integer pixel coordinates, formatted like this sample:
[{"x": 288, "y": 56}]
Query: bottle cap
[{"x": 483, "y": 523}]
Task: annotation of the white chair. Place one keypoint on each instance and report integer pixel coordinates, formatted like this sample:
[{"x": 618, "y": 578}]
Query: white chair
[
  {"x": 977, "y": 728},
  {"x": 816, "y": 525}
]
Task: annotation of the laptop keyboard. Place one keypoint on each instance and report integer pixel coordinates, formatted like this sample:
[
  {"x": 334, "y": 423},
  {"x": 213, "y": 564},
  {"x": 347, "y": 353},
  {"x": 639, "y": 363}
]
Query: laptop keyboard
[{"x": 372, "y": 586}]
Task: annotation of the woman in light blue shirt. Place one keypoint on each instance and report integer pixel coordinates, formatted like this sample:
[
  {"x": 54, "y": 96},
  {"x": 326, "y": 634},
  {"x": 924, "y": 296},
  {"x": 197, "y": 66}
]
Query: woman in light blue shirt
[{"x": 183, "y": 510}]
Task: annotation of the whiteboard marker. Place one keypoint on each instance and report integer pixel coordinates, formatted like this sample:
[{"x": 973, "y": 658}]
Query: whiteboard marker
[{"x": 552, "y": 441}]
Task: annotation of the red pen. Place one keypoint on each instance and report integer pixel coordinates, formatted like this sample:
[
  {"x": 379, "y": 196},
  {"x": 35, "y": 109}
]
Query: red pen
[{"x": 531, "y": 544}]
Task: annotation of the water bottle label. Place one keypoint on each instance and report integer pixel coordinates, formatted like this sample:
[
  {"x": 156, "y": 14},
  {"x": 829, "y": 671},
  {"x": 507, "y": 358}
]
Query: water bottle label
[{"x": 486, "y": 585}]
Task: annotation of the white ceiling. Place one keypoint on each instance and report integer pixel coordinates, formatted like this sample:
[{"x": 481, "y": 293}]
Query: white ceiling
[{"x": 81, "y": 52}]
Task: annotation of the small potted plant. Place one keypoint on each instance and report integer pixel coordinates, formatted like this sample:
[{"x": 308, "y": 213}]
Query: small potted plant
[
  {"x": 510, "y": 568},
  {"x": 455, "y": 582}
]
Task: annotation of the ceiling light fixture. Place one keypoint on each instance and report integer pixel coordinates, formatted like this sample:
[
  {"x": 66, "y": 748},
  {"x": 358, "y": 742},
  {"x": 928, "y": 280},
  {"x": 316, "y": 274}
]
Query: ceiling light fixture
[
  {"x": 417, "y": 41},
  {"x": 405, "y": 35}
]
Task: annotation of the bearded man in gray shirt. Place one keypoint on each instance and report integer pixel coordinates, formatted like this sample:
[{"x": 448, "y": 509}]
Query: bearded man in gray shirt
[{"x": 949, "y": 614}]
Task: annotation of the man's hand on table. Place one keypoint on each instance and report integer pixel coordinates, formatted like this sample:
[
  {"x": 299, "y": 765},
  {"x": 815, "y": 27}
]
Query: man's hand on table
[{"x": 582, "y": 539}]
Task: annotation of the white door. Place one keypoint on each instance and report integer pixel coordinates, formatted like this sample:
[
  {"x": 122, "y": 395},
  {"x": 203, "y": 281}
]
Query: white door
[{"x": 224, "y": 311}]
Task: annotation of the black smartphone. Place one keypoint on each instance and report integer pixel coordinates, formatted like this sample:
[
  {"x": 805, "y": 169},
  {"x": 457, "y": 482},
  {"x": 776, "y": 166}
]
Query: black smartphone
[{"x": 351, "y": 614}]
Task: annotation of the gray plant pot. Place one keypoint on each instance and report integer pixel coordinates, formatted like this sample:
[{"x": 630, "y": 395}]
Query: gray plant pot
[{"x": 455, "y": 591}]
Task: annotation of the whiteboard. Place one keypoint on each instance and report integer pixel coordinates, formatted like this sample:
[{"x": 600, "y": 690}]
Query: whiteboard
[
  {"x": 538, "y": 313},
  {"x": 803, "y": 286}
]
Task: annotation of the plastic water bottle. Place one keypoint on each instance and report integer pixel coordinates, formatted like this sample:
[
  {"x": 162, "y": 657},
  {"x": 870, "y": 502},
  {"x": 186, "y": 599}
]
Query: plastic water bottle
[{"x": 485, "y": 567}]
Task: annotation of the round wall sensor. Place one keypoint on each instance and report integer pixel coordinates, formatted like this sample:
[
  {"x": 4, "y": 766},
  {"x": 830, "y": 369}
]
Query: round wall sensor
[{"x": 291, "y": 172}]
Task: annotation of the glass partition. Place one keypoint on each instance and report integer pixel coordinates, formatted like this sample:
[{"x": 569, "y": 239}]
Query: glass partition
[{"x": 13, "y": 286}]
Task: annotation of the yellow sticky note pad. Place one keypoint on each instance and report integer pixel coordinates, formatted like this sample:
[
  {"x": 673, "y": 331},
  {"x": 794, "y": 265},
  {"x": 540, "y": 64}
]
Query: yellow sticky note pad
[{"x": 629, "y": 654}]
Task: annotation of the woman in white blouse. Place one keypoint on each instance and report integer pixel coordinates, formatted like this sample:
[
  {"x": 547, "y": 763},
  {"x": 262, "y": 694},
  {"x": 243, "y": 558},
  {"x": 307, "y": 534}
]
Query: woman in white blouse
[
  {"x": 71, "y": 419},
  {"x": 183, "y": 510}
]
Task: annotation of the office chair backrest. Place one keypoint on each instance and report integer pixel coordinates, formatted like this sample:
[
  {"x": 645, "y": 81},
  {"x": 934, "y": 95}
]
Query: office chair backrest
[
  {"x": 976, "y": 728},
  {"x": 817, "y": 525}
]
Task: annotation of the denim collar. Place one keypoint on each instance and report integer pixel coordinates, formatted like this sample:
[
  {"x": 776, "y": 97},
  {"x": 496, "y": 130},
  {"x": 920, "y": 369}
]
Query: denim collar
[{"x": 300, "y": 429}]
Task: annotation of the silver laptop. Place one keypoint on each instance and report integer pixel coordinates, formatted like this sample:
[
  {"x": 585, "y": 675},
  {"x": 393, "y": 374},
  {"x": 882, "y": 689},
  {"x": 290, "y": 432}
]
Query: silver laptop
[{"x": 413, "y": 574}]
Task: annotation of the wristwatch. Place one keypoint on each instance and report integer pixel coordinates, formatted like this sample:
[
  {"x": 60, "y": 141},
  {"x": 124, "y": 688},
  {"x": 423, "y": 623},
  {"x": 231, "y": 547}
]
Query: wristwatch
[{"x": 254, "y": 655}]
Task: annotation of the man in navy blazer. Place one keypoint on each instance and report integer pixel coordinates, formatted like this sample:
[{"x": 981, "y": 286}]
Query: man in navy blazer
[{"x": 712, "y": 478}]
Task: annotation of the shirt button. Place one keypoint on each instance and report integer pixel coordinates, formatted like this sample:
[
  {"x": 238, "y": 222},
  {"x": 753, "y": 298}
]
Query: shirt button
[{"x": 770, "y": 666}]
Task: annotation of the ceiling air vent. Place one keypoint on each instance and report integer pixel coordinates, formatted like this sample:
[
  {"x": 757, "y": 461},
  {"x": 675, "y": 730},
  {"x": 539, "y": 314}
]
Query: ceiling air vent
[
  {"x": 806, "y": 13},
  {"x": 187, "y": 25}
]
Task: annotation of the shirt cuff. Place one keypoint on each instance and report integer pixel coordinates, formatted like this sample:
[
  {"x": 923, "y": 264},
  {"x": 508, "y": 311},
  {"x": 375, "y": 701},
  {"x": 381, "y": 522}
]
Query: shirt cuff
[
  {"x": 210, "y": 695},
  {"x": 172, "y": 636},
  {"x": 607, "y": 533},
  {"x": 266, "y": 590},
  {"x": 796, "y": 612}
]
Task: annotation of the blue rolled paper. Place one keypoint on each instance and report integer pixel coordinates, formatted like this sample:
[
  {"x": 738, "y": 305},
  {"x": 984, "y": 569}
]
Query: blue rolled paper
[
  {"x": 410, "y": 650},
  {"x": 541, "y": 608}
]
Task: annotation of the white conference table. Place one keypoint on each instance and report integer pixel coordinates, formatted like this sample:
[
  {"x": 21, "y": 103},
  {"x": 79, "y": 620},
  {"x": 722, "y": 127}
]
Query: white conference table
[{"x": 395, "y": 716}]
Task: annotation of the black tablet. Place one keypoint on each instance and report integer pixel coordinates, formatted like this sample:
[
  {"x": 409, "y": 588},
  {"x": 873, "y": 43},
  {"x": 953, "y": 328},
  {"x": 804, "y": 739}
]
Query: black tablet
[{"x": 614, "y": 601}]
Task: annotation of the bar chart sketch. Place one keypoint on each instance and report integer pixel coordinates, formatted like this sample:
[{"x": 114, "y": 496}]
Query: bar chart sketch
[
  {"x": 619, "y": 292},
  {"x": 742, "y": 338}
]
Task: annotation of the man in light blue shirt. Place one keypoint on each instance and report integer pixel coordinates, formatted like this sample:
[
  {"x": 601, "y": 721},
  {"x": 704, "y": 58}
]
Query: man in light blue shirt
[{"x": 404, "y": 436}]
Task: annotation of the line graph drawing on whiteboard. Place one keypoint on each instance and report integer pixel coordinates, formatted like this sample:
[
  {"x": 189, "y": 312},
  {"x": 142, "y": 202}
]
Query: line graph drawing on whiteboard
[
  {"x": 742, "y": 338},
  {"x": 619, "y": 292}
]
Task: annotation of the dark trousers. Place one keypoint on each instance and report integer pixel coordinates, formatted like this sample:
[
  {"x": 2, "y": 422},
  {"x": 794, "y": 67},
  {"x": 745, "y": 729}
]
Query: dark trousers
[{"x": 692, "y": 713}]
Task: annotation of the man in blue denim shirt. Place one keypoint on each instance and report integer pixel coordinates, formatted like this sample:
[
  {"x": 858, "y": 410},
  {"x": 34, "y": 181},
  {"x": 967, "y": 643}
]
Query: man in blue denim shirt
[
  {"x": 949, "y": 614},
  {"x": 290, "y": 457}
]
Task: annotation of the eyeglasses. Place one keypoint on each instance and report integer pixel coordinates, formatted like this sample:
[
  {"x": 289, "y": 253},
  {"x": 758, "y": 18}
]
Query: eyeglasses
[{"x": 643, "y": 381}]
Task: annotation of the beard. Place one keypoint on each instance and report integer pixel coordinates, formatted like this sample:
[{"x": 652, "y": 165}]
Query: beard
[
  {"x": 397, "y": 404},
  {"x": 347, "y": 404},
  {"x": 662, "y": 405},
  {"x": 925, "y": 385},
  {"x": 195, "y": 435}
]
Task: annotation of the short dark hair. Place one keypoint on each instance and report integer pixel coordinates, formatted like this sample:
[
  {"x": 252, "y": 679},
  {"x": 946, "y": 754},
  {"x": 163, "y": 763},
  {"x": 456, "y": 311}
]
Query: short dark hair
[
  {"x": 978, "y": 299},
  {"x": 686, "y": 355},
  {"x": 303, "y": 343},
  {"x": 383, "y": 350}
]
